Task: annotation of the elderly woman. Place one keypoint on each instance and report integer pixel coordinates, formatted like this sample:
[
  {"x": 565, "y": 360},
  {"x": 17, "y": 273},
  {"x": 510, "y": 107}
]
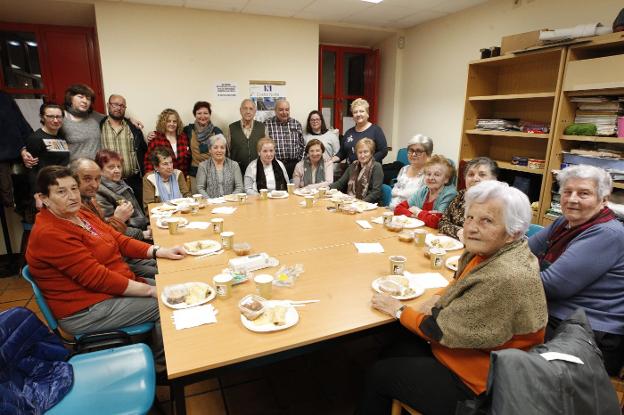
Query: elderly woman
[
  {"x": 431, "y": 200},
  {"x": 476, "y": 171},
  {"x": 496, "y": 301},
  {"x": 265, "y": 172},
  {"x": 581, "y": 258},
  {"x": 411, "y": 177},
  {"x": 169, "y": 134},
  {"x": 218, "y": 175},
  {"x": 364, "y": 177},
  {"x": 316, "y": 129},
  {"x": 113, "y": 191},
  {"x": 77, "y": 261},
  {"x": 363, "y": 128},
  {"x": 316, "y": 169},
  {"x": 165, "y": 182},
  {"x": 198, "y": 134}
]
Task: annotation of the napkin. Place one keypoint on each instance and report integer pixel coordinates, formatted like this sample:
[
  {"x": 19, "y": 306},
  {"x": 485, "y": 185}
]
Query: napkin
[
  {"x": 428, "y": 279},
  {"x": 198, "y": 225},
  {"x": 369, "y": 248},
  {"x": 224, "y": 210},
  {"x": 378, "y": 220},
  {"x": 216, "y": 200},
  {"x": 364, "y": 224},
  {"x": 195, "y": 316}
]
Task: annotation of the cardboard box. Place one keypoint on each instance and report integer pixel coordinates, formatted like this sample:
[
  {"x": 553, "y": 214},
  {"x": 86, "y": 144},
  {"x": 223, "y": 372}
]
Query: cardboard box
[{"x": 520, "y": 41}]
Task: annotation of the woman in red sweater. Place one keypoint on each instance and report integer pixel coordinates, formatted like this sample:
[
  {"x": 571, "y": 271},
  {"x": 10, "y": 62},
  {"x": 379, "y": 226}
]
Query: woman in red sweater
[
  {"x": 78, "y": 263},
  {"x": 496, "y": 301}
]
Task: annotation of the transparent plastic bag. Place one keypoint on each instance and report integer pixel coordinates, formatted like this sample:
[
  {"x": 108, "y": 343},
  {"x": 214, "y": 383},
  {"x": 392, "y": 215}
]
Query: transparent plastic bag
[{"x": 287, "y": 275}]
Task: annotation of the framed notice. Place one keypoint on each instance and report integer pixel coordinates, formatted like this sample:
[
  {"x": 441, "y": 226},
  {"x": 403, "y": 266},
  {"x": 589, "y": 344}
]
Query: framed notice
[{"x": 264, "y": 94}]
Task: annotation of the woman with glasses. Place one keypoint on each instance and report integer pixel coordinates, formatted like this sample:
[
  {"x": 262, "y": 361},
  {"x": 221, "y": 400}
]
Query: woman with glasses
[
  {"x": 316, "y": 129},
  {"x": 411, "y": 177}
]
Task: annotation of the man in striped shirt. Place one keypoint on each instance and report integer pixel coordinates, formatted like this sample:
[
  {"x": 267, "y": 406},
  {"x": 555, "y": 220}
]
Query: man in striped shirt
[{"x": 287, "y": 134}]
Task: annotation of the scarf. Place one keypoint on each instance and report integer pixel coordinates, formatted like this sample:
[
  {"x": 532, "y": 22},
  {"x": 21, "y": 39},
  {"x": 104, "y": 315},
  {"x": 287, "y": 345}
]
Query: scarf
[
  {"x": 212, "y": 179},
  {"x": 77, "y": 113},
  {"x": 261, "y": 183},
  {"x": 138, "y": 219},
  {"x": 360, "y": 178},
  {"x": 319, "y": 177},
  {"x": 203, "y": 135},
  {"x": 561, "y": 236},
  {"x": 164, "y": 194}
]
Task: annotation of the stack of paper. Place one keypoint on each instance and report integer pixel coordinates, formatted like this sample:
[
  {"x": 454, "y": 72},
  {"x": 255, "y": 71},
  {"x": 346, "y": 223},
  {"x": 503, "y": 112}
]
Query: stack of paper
[
  {"x": 600, "y": 111},
  {"x": 195, "y": 316}
]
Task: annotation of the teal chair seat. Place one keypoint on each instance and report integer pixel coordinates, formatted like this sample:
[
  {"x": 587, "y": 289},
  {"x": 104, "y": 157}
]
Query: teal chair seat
[
  {"x": 402, "y": 156},
  {"x": 533, "y": 229},
  {"x": 112, "y": 381},
  {"x": 386, "y": 194}
]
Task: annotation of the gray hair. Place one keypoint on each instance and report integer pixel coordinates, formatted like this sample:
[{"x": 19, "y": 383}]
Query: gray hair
[
  {"x": 425, "y": 141},
  {"x": 602, "y": 179},
  {"x": 482, "y": 161},
  {"x": 248, "y": 100},
  {"x": 76, "y": 165},
  {"x": 516, "y": 206},
  {"x": 215, "y": 138}
]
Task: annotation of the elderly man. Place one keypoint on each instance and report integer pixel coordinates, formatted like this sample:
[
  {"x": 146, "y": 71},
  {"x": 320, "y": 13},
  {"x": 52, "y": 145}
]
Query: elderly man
[
  {"x": 287, "y": 134},
  {"x": 87, "y": 173},
  {"x": 581, "y": 258},
  {"x": 120, "y": 135},
  {"x": 244, "y": 135}
]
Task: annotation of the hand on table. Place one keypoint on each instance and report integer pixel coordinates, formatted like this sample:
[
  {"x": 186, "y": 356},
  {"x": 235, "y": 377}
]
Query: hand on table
[
  {"x": 385, "y": 304},
  {"x": 415, "y": 210},
  {"x": 176, "y": 252}
]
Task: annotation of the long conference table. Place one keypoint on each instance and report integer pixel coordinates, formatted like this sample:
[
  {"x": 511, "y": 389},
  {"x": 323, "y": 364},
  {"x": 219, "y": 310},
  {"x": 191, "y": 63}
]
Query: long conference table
[{"x": 334, "y": 273}]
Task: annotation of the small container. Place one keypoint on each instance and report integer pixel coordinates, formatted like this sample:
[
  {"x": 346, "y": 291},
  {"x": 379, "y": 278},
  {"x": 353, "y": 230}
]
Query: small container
[
  {"x": 387, "y": 217},
  {"x": 290, "y": 187},
  {"x": 397, "y": 264},
  {"x": 242, "y": 198},
  {"x": 349, "y": 209},
  {"x": 227, "y": 239},
  {"x": 309, "y": 201},
  {"x": 223, "y": 285},
  {"x": 406, "y": 236},
  {"x": 241, "y": 248},
  {"x": 251, "y": 306},
  {"x": 217, "y": 225},
  {"x": 185, "y": 209},
  {"x": 420, "y": 235},
  {"x": 172, "y": 226},
  {"x": 264, "y": 285},
  {"x": 394, "y": 226},
  {"x": 436, "y": 255},
  {"x": 264, "y": 194},
  {"x": 321, "y": 192},
  {"x": 536, "y": 163}
]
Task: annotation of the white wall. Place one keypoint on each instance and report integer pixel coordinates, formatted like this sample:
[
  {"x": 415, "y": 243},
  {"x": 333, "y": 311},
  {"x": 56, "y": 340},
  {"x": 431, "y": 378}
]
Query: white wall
[
  {"x": 436, "y": 56},
  {"x": 160, "y": 57}
]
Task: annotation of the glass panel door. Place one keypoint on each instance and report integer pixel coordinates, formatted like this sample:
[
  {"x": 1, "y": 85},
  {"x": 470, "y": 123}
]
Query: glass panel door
[{"x": 20, "y": 60}]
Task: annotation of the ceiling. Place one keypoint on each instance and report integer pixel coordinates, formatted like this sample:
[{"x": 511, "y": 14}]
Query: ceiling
[{"x": 389, "y": 14}]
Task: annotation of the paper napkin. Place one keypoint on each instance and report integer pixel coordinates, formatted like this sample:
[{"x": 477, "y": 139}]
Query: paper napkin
[
  {"x": 224, "y": 210},
  {"x": 369, "y": 248},
  {"x": 195, "y": 316}
]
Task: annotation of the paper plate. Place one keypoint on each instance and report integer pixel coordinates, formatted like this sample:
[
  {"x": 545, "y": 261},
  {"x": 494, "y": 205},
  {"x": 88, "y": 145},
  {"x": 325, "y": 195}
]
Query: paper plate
[
  {"x": 305, "y": 192},
  {"x": 164, "y": 210},
  {"x": 162, "y": 222},
  {"x": 413, "y": 284},
  {"x": 451, "y": 262},
  {"x": 408, "y": 223},
  {"x": 212, "y": 246},
  {"x": 203, "y": 285},
  {"x": 278, "y": 194},
  {"x": 445, "y": 242},
  {"x": 292, "y": 317},
  {"x": 182, "y": 201},
  {"x": 362, "y": 206}
]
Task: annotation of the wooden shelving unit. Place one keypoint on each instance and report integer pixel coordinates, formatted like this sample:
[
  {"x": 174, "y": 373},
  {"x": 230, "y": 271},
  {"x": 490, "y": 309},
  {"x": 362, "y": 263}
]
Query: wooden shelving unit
[
  {"x": 525, "y": 86},
  {"x": 593, "y": 68}
]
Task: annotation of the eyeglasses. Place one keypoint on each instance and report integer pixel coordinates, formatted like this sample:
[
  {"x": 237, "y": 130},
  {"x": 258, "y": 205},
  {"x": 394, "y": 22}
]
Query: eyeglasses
[
  {"x": 116, "y": 105},
  {"x": 53, "y": 117},
  {"x": 418, "y": 151}
]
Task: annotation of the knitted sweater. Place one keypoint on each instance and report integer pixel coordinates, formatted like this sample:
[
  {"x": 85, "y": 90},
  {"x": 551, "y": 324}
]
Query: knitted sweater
[
  {"x": 82, "y": 135},
  {"x": 453, "y": 219},
  {"x": 242, "y": 149}
]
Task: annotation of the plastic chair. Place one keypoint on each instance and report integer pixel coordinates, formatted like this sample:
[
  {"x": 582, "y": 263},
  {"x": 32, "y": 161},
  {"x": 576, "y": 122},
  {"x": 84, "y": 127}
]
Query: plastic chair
[
  {"x": 86, "y": 341},
  {"x": 533, "y": 229},
  {"x": 113, "y": 381},
  {"x": 402, "y": 156},
  {"x": 386, "y": 194}
]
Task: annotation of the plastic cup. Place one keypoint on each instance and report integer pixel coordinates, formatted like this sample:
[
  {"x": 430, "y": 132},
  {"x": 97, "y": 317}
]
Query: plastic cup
[
  {"x": 223, "y": 285},
  {"x": 309, "y": 201},
  {"x": 397, "y": 264},
  {"x": 227, "y": 239},
  {"x": 242, "y": 198},
  {"x": 436, "y": 255},
  {"x": 264, "y": 194},
  {"x": 264, "y": 285},
  {"x": 387, "y": 218},
  {"x": 172, "y": 225},
  {"x": 419, "y": 237},
  {"x": 217, "y": 225},
  {"x": 290, "y": 187}
]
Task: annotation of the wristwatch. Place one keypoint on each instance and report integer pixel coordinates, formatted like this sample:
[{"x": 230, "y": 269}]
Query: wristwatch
[
  {"x": 397, "y": 314},
  {"x": 156, "y": 248}
]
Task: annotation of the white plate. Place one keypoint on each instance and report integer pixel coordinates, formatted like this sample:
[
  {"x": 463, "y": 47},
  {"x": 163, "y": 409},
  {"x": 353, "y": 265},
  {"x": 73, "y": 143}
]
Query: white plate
[
  {"x": 214, "y": 247},
  {"x": 164, "y": 210},
  {"x": 184, "y": 305},
  {"x": 408, "y": 223},
  {"x": 292, "y": 317},
  {"x": 279, "y": 196},
  {"x": 362, "y": 206},
  {"x": 231, "y": 198},
  {"x": 305, "y": 192},
  {"x": 448, "y": 243},
  {"x": 182, "y": 201},
  {"x": 162, "y": 222},
  {"x": 451, "y": 262},
  {"x": 413, "y": 284}
]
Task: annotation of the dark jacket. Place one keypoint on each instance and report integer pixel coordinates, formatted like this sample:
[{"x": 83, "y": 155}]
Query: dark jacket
[
  {"x": 13, "y": 128},
  {"x": 140, "y": 147},
  {"x": 34, "y": 375}
]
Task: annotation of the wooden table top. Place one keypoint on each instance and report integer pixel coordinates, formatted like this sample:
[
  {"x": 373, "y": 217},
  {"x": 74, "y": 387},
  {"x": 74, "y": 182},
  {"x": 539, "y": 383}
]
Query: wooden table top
[{"x": 334, "y": 273}]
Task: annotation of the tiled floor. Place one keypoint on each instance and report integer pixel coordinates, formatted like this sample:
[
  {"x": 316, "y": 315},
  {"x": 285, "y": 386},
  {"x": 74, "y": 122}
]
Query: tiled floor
[{"x": 322, "y": 382}]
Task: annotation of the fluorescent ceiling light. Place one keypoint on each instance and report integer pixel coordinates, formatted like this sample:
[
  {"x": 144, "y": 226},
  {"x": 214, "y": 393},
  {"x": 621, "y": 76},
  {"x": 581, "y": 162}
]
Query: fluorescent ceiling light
[
  {"x": 13, "y": 43},
  {"x": 373, "y": 1},
  {"x": 33, "y": 44}
]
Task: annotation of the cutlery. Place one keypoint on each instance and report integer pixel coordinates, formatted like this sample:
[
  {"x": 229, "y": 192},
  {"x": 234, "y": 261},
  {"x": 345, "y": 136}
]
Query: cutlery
[
  {"x": 211, "y": 253},
  {"x": 302, "y": 302}
]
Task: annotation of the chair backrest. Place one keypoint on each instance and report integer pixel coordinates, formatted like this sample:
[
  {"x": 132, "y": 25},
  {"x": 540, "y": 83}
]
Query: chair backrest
[
  {"x": 402, "y": 156},
  {"x": 386, "y": 194},
  {"x": 533, "y": 229},
  {"x": 41, "y": 302}
]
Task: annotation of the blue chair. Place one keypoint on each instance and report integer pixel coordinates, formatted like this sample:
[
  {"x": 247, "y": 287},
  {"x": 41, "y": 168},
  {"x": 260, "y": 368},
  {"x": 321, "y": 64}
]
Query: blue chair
[
  {"x": 402, "y": 156},
  {"x": 86, "y": 341},
  {"x": 113, "y": 381},
  {"x": 386, "y": 194},
  {"x": 533, "y": 229}
]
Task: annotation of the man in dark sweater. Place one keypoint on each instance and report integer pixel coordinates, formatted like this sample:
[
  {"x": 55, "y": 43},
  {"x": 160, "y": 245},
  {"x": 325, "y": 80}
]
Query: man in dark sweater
[{"x": 244, "y": 135}]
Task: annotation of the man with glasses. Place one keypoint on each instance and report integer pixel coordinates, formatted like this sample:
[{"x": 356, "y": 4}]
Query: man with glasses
[{"x": 121, "y": 135}]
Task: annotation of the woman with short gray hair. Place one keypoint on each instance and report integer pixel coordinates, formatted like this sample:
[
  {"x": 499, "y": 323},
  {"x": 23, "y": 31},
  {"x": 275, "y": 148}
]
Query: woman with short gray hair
[
  {"x": 476, "y": 171},
  {"x": 496, "y": 302},
  {"x": 581, "y": 258},
  {"x": 219, "y": 175},
  {"x": 411, "y": 177}
]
